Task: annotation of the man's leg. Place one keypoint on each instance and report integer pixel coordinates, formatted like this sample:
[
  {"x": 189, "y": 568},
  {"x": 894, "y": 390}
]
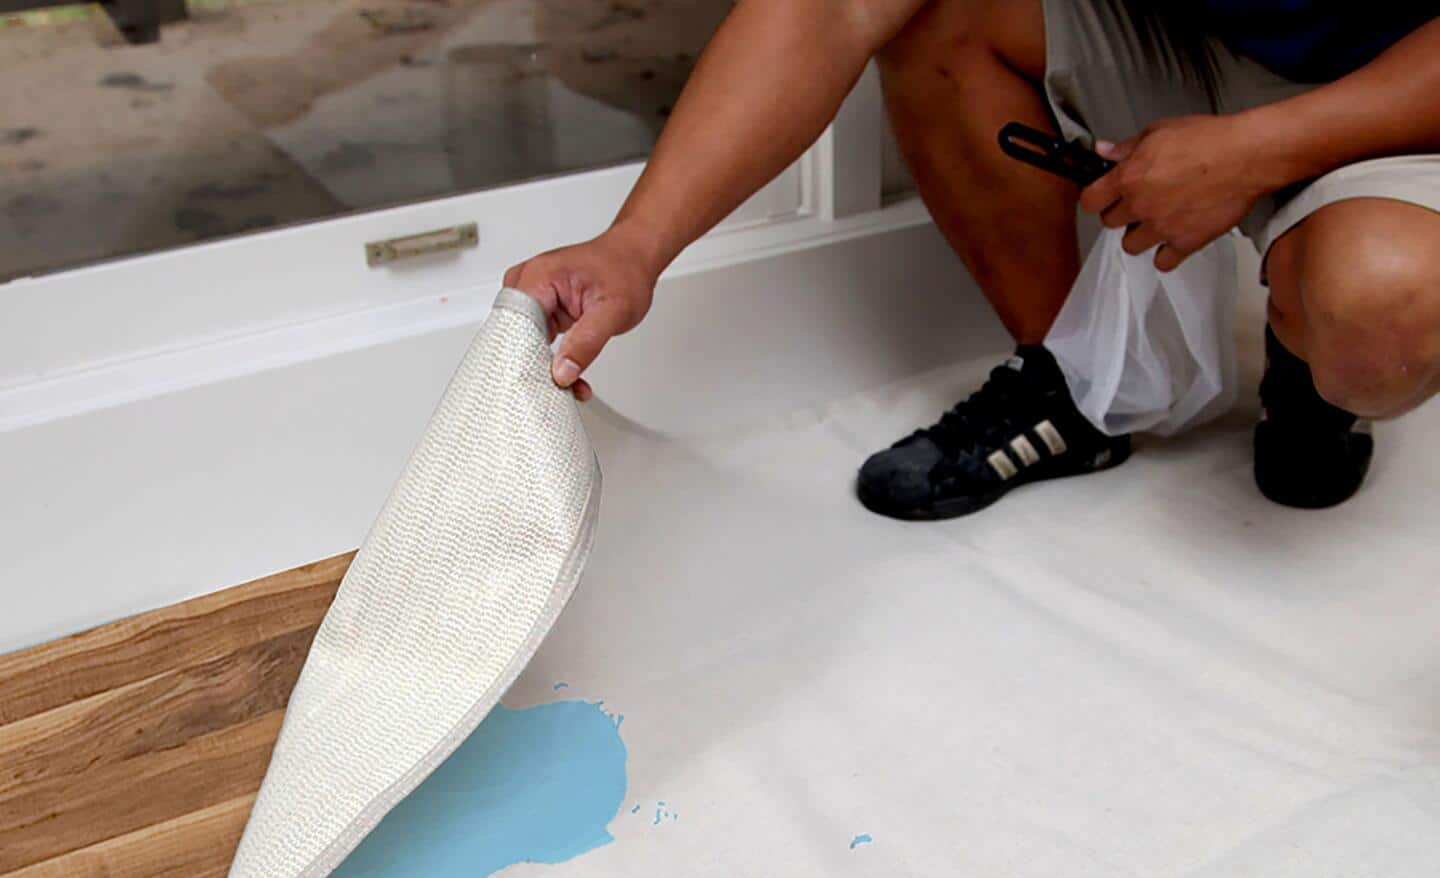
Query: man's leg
[
  {"x": 1355, "y": 292},
  {"x": 959, "y": 71},
  {"x": 953, "y": 77},
  {"x": 1354, "y": 331}
]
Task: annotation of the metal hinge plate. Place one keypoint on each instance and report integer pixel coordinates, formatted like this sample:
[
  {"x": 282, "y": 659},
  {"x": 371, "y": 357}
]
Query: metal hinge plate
[{"x": 462, "y": 237}]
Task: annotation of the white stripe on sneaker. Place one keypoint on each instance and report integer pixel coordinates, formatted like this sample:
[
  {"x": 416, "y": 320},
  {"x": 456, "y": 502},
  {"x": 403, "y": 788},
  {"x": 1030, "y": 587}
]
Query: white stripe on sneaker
[
  {"x": 1051, "y": 437},
  {"x": 1003, "y": 466},
  {"x": 1023, "y": 453},
  {"x": 1027, "y": 453}
]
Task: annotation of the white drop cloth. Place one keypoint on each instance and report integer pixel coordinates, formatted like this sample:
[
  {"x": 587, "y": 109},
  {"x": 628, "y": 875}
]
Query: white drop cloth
[{"x": 1150, "y": 672}]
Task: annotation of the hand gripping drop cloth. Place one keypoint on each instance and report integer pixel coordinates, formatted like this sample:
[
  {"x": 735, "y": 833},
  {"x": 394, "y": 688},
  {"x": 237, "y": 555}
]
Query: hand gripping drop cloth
[{"x": 472, "y": 558}]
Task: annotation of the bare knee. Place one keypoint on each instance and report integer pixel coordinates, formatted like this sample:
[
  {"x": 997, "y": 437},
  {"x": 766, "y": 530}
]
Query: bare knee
[{"x": 1363, "y": 278}]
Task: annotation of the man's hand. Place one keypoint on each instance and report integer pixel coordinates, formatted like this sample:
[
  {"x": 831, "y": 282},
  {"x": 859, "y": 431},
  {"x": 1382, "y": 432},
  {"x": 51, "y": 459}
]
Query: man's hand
[
  {"x": 590, "y": 292},
  {"x": 1181, "y": 183}
]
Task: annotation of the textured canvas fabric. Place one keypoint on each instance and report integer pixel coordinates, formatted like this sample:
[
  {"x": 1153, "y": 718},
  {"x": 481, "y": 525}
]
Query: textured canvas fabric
[{"x": 472, "y": 558}]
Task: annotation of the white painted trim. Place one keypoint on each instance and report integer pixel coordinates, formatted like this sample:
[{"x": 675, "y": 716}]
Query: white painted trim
[
  {"x": 128, "y": 379},
  {"x": 215, "y": 291},
  {"x": 849, "y": 152}
]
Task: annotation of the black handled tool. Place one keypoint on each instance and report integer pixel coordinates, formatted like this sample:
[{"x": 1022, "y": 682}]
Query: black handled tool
[{"x": 1049, "y": 153}]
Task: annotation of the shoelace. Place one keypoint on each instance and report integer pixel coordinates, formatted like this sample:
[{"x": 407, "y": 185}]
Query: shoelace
[{"x": 982, "y": 419}]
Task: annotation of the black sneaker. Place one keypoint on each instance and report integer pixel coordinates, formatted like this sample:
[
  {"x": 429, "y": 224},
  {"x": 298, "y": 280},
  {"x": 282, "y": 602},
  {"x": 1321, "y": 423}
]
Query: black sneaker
[
  {"x": 1308, "y": 453},
  {"x": 1021, "y": 427}
]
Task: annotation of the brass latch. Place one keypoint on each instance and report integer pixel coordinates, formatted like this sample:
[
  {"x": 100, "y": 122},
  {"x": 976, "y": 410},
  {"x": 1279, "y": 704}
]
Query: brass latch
[{"x": 436, "y": 241}]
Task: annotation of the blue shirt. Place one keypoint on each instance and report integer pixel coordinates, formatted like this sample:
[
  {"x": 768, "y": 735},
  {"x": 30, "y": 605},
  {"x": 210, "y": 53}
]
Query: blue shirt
[{"x": 1313, "y": 40}]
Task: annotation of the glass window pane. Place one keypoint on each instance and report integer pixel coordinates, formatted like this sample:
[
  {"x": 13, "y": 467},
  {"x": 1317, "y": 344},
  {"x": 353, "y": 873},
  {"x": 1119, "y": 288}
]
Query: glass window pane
[{"x": 248, "y": 114}]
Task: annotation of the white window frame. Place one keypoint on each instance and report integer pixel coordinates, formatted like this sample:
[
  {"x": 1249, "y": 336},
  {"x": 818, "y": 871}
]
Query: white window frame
[{"x": 116, "y": 331}]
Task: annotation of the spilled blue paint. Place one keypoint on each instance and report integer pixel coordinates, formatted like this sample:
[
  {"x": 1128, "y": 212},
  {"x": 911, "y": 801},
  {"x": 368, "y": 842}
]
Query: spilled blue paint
[
  {"x": 862, "y": 838},
  {"x": 561, "y": 685},
  {"x": 537, "y": 785},
  {"x": 662, "y": 812}
]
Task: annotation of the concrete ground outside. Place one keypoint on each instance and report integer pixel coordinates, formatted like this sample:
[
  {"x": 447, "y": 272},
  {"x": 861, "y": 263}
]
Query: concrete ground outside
[{"x": 256, "y": 114}]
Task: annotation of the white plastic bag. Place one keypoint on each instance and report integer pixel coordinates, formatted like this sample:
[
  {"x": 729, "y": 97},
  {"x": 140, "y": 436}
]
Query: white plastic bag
[{"x": 1144, "y": 350}]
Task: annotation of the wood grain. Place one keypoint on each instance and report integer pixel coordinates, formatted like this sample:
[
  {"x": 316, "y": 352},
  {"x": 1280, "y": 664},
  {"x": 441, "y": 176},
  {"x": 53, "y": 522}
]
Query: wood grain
[
  {"x": 160, "y": 713},
  {"x": 134, "y": 750},
  {"x": 197, "y": 845},
  {"x": 57, "y": 816},
  {"x": 65, "y": 670}
]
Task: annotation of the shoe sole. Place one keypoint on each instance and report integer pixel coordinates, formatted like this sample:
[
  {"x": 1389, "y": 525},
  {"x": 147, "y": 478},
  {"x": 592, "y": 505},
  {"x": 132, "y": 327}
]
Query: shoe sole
[{"x": 962, "y": 506}]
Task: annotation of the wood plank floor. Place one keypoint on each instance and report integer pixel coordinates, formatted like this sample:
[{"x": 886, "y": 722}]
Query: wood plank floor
[{"x": 134, "y": 750}]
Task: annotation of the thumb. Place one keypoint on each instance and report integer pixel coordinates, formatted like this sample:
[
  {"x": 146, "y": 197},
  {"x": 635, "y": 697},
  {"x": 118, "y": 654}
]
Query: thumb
[
  {"x": 603, "y": 319},
  {"x": 1115, "y": 152}
]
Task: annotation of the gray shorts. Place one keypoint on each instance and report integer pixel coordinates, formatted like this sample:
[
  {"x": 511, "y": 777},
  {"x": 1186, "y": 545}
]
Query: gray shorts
[{"x": 1101, "y": 85}]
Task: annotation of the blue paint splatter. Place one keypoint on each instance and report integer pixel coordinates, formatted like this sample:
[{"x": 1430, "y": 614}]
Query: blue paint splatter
[
  {"x": 636, "y": 809},
  {"x": 862, "y": 838},
  {"x": 538, "y": 785},
  {"x": 662, "y": 812},
  {"x": 561, "y": 685}
]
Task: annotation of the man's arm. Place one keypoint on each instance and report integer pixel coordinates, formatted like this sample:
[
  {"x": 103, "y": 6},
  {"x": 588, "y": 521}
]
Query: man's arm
[
  {"x": 768, "y": 83},
  {"x": 770, "y": 80},
  {"x": 1183, "y": 182},
  {"x": 1390, "y": 106}
]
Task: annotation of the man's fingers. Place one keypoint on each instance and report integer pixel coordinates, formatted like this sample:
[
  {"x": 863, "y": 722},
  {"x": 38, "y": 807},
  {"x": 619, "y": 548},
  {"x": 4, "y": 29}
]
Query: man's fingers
[
  {"x": 536, "y": 278},
  {"x": 1118, "y": 216},
  {"x": 603, "y": 318},
  {"x": 512, "y": 275},
  {"x": 1100, "y": 195},
  {"x": 1169, "y": 257},
  {"x": 1115, "y": 152},
  {"x": 1140, "y": 238}
]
